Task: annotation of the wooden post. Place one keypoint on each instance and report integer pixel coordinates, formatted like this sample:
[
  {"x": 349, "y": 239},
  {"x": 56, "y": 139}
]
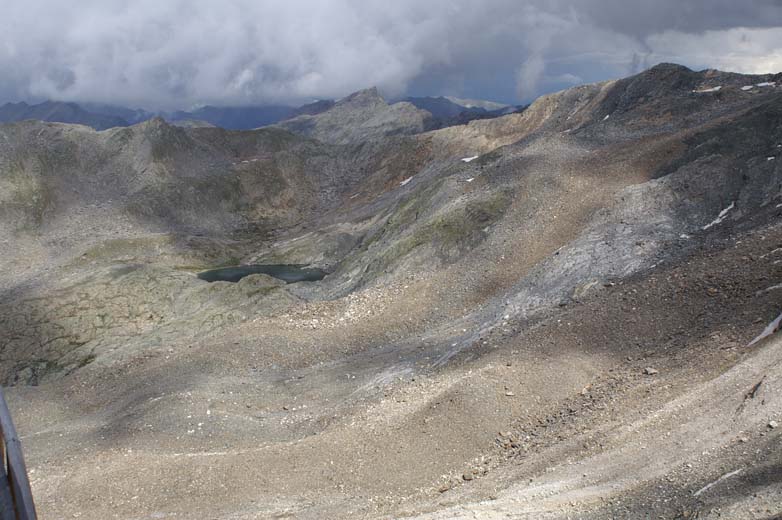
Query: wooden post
[{"x": 16, "y": 484}]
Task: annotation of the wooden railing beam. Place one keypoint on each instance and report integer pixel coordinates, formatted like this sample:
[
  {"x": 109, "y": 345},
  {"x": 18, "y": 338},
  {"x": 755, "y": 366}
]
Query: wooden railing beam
[{"x": 15, "y": 472}]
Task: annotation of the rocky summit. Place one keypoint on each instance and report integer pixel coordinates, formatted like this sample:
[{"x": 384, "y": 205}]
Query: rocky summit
[{"x": 563, "y": 312}]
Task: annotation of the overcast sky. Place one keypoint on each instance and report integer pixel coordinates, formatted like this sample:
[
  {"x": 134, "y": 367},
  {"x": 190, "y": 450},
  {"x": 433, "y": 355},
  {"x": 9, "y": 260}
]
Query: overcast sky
[{"x": 181, "y": 53}]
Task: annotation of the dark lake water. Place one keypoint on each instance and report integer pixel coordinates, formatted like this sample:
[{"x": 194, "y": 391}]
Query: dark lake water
[{"x": 287, "y": 273}]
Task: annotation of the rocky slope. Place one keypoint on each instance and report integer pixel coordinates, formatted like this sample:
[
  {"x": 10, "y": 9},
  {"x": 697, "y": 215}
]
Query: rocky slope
[{"x": 545, "y": 315}]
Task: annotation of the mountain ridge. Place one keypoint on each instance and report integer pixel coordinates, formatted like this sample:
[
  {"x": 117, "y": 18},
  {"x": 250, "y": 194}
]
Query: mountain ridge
[
  {"x": 102, "y": 116},
  {"x": 60, "y": 112}
]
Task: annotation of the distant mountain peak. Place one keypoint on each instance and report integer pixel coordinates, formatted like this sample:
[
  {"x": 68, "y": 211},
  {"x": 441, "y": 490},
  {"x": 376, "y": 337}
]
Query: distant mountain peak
[
  {"x": 21, "y": 104},
  {"x": 366, "y": 97},
  {"x": 358, "y": 117},
  {"x": 668, "y": 67}
]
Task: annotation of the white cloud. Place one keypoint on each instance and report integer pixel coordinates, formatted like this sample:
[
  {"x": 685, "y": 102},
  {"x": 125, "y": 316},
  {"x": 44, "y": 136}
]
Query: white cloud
[
  {"x": 176, "y": 53},
  {"x": 745, "y": 50},
  {"x": 530, "y": 75}
]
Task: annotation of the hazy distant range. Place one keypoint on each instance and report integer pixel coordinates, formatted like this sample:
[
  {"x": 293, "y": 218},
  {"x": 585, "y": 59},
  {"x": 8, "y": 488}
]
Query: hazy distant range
[{"x": 446, "y": 111}]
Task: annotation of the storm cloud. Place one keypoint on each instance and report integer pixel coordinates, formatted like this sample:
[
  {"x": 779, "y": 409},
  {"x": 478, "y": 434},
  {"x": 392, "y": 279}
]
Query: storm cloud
[{"x": 178, "y": 53}]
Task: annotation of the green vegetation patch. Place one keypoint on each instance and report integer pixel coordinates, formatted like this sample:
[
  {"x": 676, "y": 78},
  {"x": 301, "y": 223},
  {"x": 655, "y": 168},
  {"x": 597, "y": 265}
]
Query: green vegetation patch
[{"x": 450, "y": 232}]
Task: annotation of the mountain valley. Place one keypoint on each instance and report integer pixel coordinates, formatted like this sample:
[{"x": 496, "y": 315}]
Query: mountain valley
[{"x": 544, "y": 313}]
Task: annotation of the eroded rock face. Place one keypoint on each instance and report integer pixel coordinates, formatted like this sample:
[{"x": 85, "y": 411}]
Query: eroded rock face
[{"x": 606, "y": 229}]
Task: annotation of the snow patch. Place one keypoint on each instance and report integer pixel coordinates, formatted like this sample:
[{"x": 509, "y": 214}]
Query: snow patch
[
  {"x": 707, "y": 90},
  {"x": 769, "y": 289},
  {"x": 470, "y": 159},
  {"x": 770, "y": 158},
  {"x": 770, "y": 329},
  {"x": 775, "y": 251},
  {"x": 470, "y": 179},
  {"x": 606, "y": 117},
  {"x": 405, "y": 181},
  {"x": 748, "y": 87},
  {"x": 720, "y": 217},
  {"x": 723, "y": 477},
  {"x": 766, "y": 84}
]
